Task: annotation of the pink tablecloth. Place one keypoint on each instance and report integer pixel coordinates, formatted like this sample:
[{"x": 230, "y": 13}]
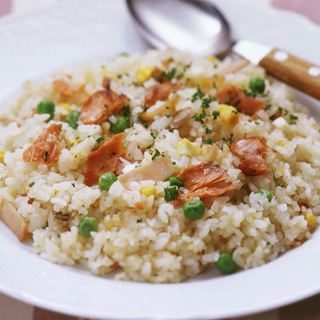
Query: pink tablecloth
[{"x": 309, "y": 309}]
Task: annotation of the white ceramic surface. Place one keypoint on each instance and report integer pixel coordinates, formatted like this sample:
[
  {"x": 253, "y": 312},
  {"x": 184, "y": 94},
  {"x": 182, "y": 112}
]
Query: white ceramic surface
[{"x": 41, "y": 42}]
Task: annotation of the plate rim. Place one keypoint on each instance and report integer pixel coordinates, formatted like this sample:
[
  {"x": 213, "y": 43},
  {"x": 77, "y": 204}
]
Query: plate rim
[{"x": 71, "y": 310}]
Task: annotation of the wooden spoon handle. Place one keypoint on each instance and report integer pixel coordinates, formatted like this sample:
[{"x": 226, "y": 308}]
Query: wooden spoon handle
[{"x": 296, "y": 72}]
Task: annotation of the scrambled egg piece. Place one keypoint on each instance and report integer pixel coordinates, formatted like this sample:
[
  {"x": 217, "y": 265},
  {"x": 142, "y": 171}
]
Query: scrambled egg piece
[
  {"x": 144, "y": 74},
  {"x": 2, "y": 152},
  {"x": 228, "y": 114},
  {"x": 65, "y": 106},
  {"x": 188, "y": 148}
]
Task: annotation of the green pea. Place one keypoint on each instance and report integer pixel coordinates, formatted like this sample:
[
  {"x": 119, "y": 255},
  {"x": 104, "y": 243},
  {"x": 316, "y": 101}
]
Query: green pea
[
  {"x": 121, "y": 124},
  {"x": 194, "y": 209},
  {"x": 72, "y": 119},
  {"x": 107, "y": 180},
  {"x": 86, "y": 225},
  {"x": 174, "y": 181},
  {"x": 170, "y": 193},
  {"x": 225, "y": 263},
  {"x": 266, "y": 193},
  {"x": 46, "y": 106},
  {"x": 257, "y": 85}
]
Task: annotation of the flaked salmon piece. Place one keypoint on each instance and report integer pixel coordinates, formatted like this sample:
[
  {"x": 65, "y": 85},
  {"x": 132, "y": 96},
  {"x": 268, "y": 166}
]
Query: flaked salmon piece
[
  {"x": 200, "y": 181},
  {"x": 65, "y": 87},
  {"x": 235, "y": 97},
  {"x": 104, "y": 159},
  {"x": 202, "y": 175},
  {"x": 10, "y": 216},
  {"x": 252, "y": 153},
  {"x": 101, "y": 105},
  {"x": 106, "y": 83},
  {"x": 161, "y": 92},
  {"x": 46, "y": 148},
  {"x": 206, "y": 192}
]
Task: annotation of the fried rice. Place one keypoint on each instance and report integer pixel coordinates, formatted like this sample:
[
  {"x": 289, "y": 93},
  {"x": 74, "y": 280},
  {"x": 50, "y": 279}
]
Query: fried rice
[{"x": 251, "y": 157}]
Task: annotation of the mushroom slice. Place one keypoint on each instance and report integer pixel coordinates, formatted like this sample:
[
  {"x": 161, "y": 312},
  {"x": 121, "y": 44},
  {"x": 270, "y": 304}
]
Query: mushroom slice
[
  {"x": 10, "y": 216},
  {"x": 180, "y": 118},
  {"x": 157, "y": 170}
]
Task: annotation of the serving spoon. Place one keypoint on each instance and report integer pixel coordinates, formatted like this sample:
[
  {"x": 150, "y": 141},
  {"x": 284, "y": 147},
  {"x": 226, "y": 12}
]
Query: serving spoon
[{"x": 200, "y": 28}]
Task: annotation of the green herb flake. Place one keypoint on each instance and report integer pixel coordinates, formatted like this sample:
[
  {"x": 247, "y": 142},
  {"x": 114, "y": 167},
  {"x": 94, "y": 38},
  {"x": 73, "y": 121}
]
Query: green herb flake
[
  {"x": 207, "y": 101},
  {"x": 200, "y": 117},
  {"x": 168, "y": 75},
  {"x": 99, "y": 140},
  {"x": 293, "y": 119},
  {"x": 207, "y": 141},
  {"x": 276, "y": 181},
  {"x": 123, "y": 54},
  {"x": 208, "y": 131},
  {"x": 138, "y": 120},
  {"x": 31, "y": 184},
  {"x": 180, "y": 75},
  {"x": 73, "y": 185},
  {"x": 126, "y": 111},
  {"x": 227, "y": 100},
  {"x": 106, "y": 106},
  {"x": 139, "y": 220},
  {"x": 215, "y": 114},
  {"x": 155, "y": 154},
  {"x": 198, "y": 95},
  {"x": 230, "y": 140},
  {"x": 46, "y": 153}
]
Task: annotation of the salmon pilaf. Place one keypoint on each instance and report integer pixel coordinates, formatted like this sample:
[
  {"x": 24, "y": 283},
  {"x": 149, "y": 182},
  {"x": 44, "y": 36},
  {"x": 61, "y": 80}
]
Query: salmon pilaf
[{"x": 158, "y": 166}]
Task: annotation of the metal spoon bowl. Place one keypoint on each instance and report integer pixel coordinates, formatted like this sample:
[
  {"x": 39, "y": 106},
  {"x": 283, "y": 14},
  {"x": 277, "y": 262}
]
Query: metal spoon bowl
[
  {"x": 195, "y": 26},
  {"x": 199, "y": 27}
]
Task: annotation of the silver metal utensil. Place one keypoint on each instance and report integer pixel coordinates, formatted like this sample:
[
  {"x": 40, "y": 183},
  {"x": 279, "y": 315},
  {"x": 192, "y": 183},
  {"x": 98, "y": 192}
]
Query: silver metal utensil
[{"x": 200, "y": 28}]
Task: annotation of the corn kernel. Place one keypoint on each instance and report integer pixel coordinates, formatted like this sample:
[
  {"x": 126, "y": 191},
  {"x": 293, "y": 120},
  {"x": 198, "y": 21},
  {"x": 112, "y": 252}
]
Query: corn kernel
[
  {"x": 2, "y": 152},
  {"x": 311, "y": 220},
  {"x": 228, "y": 114},
  {"x": 148, "y": 191},
  {"x": 38, "y": 246},
  {"x": 144, "y": 74},
  {"x": 108, "y": 224},
  {"x": 26, "y": 190},
  {"x": 56, "y": 191},
  {"x": 281, "y": 143},
  {"x": 65, "y": 106},
  {"x": 116, "y": 221},
  {"x": 188, "y": 148},
  {"x": 212, "y": 59},
  {"x": 281, "y": 171},
  {"x": 72, "y": 142}
]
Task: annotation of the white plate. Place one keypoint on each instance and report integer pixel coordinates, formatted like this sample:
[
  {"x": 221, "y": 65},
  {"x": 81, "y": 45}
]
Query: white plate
[{"x": 36, "y": 44}]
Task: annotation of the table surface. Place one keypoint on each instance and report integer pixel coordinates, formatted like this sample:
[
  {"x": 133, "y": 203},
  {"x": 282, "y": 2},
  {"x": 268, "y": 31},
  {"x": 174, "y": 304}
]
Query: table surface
[{"x": 309, "y": 309}]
